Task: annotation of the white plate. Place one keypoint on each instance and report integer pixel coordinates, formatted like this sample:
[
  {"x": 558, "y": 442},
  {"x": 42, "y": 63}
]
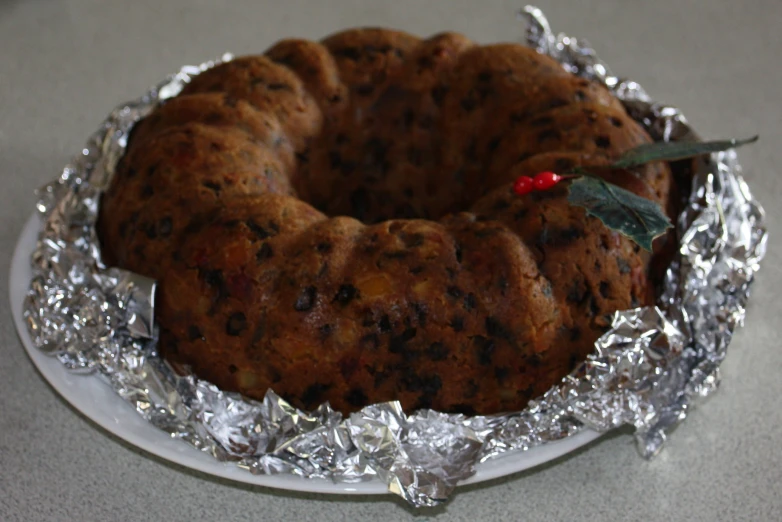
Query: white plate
[{"x": 98, "y": 402}]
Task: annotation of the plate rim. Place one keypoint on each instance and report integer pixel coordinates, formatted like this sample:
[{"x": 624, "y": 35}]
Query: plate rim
[{"x": 156, "y": 442}]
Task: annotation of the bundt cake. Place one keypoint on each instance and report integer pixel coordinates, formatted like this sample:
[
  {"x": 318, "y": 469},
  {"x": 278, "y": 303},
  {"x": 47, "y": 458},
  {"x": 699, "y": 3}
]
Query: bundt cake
[{"x": 336, "y": 221}]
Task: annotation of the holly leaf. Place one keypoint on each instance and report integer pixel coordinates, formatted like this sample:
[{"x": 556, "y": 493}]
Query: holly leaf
[
  {"x": 637, "y": 218},
  {"x": 675, "y": 150}
]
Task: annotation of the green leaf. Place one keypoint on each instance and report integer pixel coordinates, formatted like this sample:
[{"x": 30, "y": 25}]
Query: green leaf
[
  {"x": 675, "y": 150},
  {"x": 637, "y": 218}
]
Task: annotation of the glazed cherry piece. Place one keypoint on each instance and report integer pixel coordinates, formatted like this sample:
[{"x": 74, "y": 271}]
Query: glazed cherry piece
[
  {"x": 523, "y": 185},
  {"x": 545, "y": 180}
]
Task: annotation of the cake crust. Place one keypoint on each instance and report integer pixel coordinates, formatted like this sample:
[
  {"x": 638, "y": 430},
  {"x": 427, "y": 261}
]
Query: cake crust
[{"x": 335, "y": 220}]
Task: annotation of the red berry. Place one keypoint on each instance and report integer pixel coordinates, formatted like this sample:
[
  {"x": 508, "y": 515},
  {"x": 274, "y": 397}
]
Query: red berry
[
  {"x": 546, "y": 180},
  {"x": 523, "y": 185}
]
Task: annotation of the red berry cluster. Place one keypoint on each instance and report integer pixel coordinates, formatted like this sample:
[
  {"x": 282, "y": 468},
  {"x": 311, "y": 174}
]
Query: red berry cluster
[{"x": 542, "y": 181}]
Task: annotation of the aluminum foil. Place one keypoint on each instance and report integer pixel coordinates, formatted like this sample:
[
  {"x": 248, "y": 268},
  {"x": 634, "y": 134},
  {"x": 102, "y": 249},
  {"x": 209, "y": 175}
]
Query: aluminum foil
[{"x": 646, "y": 371}]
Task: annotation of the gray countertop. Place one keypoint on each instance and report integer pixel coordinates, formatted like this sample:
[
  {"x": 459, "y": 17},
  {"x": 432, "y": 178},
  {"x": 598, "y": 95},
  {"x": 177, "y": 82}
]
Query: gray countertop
[{"x": 65, "y": 63}]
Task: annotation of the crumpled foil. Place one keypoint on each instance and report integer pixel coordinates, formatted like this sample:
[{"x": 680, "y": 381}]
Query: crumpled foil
[{"x": 646, "y": 371}]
